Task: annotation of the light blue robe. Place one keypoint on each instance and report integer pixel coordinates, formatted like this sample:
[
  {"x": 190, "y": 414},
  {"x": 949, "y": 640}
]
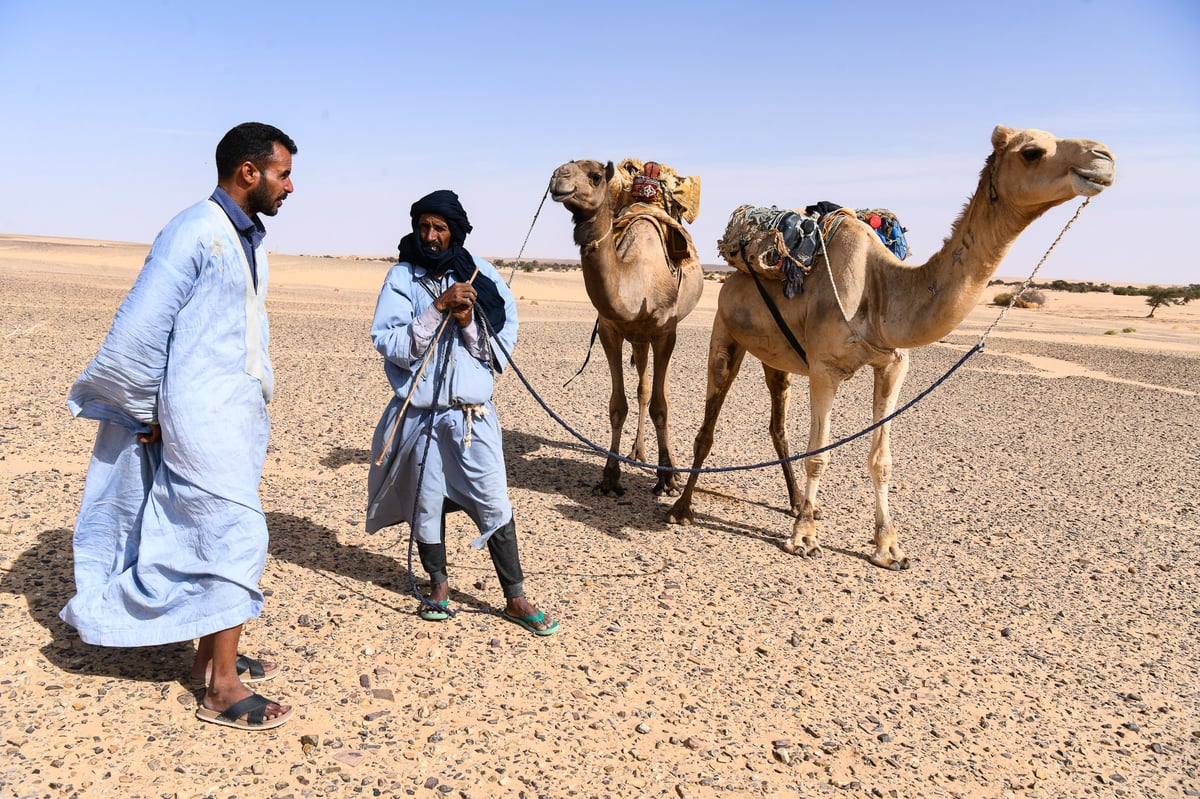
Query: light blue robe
[
  {"x": 473, "y": 477},
  {"x": 171, "y": 540}
]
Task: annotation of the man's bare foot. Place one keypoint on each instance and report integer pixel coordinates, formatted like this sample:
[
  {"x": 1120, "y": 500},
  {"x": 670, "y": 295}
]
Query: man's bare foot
[
  {"x": 242, "y": 709},
  {"x": 523, "y": 612}
]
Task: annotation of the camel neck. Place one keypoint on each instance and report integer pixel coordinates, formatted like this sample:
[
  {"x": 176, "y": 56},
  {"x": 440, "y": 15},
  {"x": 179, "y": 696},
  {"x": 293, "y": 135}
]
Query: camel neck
[
  {"x": 591, "y": 234},
  {"x": 941, "y": 292}
]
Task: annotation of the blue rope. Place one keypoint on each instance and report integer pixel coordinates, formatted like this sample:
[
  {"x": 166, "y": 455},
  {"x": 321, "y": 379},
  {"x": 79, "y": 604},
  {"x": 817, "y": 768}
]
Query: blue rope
[
  {"x": 978, "y": 347},
  {"x": 412, "y": 534},
  {"x": 713, "y": 469}
]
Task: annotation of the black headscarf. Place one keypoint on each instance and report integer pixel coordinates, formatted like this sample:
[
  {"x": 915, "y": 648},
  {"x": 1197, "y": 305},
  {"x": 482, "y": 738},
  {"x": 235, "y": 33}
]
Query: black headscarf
[{"x": 455, "y": 258}]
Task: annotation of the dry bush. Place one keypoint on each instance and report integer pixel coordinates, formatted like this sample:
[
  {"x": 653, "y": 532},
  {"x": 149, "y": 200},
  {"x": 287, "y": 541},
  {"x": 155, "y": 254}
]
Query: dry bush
[{"x": 1031, "y": 298}]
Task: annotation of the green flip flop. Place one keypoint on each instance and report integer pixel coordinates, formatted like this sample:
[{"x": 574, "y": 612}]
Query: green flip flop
[
  {"x": 531, "y": 621},
  {"x": 430, "y": 614}
]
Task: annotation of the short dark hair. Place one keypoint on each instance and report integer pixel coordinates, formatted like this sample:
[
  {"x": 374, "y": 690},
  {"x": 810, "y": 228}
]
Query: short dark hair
[{"x": 249, "y": 141}]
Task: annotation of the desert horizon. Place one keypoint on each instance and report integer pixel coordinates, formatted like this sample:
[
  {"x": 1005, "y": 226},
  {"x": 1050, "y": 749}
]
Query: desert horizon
[
  {"x": 508, "y": 260},
  {"x": 1042, "y": 644}
]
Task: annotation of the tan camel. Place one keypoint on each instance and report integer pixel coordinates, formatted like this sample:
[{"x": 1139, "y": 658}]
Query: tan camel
[
  {"x": 902, "y": 306},
  {"x": 640, "y": 298}
]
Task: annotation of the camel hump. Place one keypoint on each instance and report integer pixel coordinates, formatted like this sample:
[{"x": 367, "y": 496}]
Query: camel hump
[{"x": 656, "y": 184}]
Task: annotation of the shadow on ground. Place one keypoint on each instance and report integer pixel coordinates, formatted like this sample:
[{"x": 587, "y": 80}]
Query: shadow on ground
[{"x": 44, "y": 576}]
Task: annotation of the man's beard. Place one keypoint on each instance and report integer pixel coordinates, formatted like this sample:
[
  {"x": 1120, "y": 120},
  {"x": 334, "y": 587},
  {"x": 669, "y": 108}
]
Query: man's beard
[{"x": 263, "y": 201}]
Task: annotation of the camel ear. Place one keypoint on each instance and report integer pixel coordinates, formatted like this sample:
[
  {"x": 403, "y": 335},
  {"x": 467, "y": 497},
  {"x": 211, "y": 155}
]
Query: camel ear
[
  {"x": 1001, "y": 136},
  {"x": 609, "y": 171}
]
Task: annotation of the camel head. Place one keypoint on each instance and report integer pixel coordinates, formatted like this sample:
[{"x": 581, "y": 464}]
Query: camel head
[
  {"x": 582, "y": 187},
  {"x": 1032, "y": 171}
]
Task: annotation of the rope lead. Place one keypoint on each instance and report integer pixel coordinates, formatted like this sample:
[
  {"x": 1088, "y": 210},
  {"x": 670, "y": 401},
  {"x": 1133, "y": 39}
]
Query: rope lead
[{"x": 978, "y": 347}]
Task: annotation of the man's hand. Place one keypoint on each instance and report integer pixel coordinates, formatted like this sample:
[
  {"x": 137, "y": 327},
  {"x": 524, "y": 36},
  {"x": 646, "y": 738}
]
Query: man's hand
[
  {"x": 153, "y": 437},
  {"x": 459, "y": 301}
]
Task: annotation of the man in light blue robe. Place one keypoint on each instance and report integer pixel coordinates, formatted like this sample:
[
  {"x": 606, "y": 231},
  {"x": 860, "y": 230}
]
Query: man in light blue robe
[
  {"x": 171, "y": 540},
  {"x": 438, "y": 446}
]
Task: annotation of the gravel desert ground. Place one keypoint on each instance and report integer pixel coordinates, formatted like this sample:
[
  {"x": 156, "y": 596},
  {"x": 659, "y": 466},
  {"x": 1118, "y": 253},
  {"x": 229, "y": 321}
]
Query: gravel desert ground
[{"x": 1043, "y": 643}]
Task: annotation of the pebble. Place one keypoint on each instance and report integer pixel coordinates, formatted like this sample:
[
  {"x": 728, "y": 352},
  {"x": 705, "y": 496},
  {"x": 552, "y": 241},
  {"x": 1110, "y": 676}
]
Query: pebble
[{"x": 350, "y": 758}]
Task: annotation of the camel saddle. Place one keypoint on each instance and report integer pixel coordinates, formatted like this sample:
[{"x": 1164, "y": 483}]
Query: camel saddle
[
  {"x": 677, "y": 242},
  {"x": 654, "y": 191},
  {"x": 782, "y": 244},
  {"x": 656, "y": 184}
]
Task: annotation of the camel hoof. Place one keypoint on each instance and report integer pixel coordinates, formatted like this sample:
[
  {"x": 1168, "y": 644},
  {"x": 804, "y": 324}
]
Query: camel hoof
[
  {"x": 804, "y": 550},
  {"x": 608, "y": 491},
  {"x": 682, "y": 517},
  {"x": 667, "y": 490},
  {"x": 891, "y": 564}
]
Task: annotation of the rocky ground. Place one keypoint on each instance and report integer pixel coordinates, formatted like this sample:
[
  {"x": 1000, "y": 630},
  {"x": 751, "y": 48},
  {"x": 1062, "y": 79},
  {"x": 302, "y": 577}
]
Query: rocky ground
[{"x": 1043, "y": 643}]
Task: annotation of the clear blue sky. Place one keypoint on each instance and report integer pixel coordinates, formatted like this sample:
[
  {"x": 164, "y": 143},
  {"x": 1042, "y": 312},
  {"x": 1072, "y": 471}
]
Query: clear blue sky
[{"x": 112, "y": 112}]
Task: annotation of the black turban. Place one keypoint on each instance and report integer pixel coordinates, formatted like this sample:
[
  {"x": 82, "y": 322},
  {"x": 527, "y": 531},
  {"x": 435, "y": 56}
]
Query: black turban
[{"x": 455, "y": 258}]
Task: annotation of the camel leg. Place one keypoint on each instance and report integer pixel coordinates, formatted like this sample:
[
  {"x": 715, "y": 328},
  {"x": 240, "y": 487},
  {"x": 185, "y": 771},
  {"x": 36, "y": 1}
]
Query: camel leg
[
  {"x": 888, "y": 380},
  {"x": 660, "y": 411},
  {"x": 779, "y": 383},
  {"x": 821, "y": 390},
  {"x": 724, "y": 360},
  {"x": 618, "y": 409},
  {"x": 641, "y": 359}
]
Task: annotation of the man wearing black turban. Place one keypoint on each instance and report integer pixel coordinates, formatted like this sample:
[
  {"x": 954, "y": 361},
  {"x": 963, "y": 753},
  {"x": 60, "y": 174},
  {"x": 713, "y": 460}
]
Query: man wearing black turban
[
  {"x": 440, "y": 256},
  {"x": 438, "y": 448}
]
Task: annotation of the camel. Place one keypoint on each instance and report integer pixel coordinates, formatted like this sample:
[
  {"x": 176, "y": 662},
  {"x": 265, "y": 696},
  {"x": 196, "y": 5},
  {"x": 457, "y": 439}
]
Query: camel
[
  {"x": 902, "y": 306},
  {"x": 640, "y": 298}
]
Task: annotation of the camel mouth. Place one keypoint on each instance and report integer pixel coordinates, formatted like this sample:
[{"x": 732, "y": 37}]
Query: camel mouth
[
  {"x": 559, "y": 196},
  {"x": 1091, "y": 183}
]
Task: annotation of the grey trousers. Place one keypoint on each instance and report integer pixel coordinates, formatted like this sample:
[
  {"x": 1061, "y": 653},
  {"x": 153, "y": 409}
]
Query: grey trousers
[{"x": 502, "y": 546}]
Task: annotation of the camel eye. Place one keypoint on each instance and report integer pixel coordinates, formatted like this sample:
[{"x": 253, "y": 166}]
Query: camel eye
[
  {"x": 1033, "y": 154},
  {"x": 594, "y": 178}
]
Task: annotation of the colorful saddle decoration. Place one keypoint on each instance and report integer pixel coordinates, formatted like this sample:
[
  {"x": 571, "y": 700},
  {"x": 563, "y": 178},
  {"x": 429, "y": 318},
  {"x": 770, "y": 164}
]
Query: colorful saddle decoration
[
  {"x": 781, "y": 244},
  {"x": 654, "y": 192},
  {"x": 887, "y": 227}
]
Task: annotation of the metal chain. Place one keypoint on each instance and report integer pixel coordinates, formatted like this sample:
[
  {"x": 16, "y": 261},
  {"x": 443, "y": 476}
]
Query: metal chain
[
  {"x": 521, "y": 252},
  {"x": 1017, "y": 294}
]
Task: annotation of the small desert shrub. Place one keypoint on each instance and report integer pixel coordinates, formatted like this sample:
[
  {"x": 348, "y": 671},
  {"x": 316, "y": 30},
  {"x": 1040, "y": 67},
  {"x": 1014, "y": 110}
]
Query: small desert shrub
[
  {"x": 1129, "y": 330},
  {"x": 1031, "y": 298},
  {"x": 1110, "y": 332}
]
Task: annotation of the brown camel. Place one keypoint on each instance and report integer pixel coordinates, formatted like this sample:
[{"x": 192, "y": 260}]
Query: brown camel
[
  {"x": 901, "y": 306},
  {"x": 640, "y": 298}
]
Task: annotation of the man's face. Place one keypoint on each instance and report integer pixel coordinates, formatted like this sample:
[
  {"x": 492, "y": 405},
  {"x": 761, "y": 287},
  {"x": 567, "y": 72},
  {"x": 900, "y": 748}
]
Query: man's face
[
  {"x": 434, "y": 232},
  {"x": 274, "y": 183}
]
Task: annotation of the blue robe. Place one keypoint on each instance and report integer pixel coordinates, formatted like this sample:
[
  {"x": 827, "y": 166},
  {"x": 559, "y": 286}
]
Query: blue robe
[
  {"x": 171, "y": 540},
  {"x": 428, "y": 448}
]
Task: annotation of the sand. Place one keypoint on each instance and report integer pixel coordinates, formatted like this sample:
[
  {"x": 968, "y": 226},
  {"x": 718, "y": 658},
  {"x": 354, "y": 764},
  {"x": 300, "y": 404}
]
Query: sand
[{"x": 1043, "y": 644}]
